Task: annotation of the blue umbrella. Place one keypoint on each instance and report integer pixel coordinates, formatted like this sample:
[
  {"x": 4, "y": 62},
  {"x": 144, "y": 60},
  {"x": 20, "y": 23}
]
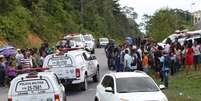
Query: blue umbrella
[
  {"x": 8, "y": 52},
  {"x": 6, "y": 48}
]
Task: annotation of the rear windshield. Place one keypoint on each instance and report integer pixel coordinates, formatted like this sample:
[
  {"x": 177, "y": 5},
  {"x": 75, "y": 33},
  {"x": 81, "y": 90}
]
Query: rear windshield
[
  {"x": 104, "y": 39},
  {"x": 77, "y": 39},
  {"x": 34, "y": 86},
  {"x": 62, "y": 61}
]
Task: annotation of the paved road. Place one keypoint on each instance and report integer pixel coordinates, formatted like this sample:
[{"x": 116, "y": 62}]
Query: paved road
[{"x": 74, "y": 94}]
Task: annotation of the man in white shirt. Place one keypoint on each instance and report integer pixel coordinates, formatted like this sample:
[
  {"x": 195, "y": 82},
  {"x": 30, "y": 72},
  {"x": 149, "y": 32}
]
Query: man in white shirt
[
  {"x": 127, "y": 61},
  {"x": 19, "y": 56}
]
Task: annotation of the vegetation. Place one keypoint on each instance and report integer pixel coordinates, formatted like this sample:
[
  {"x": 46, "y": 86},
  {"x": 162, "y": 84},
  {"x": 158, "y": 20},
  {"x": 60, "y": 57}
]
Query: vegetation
[
  {"x": 51, "y": 19},
  {"x": 184, "y": 87},
  {"x": 166, "y": 21}
]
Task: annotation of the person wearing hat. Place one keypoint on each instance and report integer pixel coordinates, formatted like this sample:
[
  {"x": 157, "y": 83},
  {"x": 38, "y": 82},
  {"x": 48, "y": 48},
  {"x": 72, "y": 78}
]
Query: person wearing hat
[
  {"x": 19, "y": 56},
  {"x": 2, "y": 71}
]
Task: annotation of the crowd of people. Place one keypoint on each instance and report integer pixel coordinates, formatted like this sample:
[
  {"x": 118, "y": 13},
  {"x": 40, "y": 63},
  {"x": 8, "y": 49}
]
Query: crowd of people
[
  {"x": 10, "y": 66},
  {"x": 148, "y": 55}
]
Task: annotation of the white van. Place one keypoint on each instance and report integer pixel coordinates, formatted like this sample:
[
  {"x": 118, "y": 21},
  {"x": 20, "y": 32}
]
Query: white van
[{"x": 36, "y": 86}]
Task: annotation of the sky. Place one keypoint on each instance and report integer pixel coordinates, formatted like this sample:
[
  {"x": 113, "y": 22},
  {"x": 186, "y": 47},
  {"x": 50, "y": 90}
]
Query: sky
[{"x": 150, "y": 6}]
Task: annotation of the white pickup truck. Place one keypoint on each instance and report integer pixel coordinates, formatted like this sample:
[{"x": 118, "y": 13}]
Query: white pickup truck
[{"x": 73, "y": 67}]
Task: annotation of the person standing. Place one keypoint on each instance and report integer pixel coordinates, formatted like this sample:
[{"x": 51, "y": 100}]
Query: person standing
[
  {"x": 189, "y": 58},
  {"x": 145, "y": 61},
  {"x": 19, "y": 56},
  {"x": 2, "y": 71},
  {"x": 127, "y": 61},
  {"x": 196, "y": 55},
  {"x": 134, "y": 58}
]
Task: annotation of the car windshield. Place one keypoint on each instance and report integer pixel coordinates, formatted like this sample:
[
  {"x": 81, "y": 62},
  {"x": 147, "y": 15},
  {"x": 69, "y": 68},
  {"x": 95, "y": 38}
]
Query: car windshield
[
  {"x": 87, "y": 38},
  {"x": 135, "y": 84},
  {"x": 103, "y": 39},
  {"x": 77, "y": 39},
  {"x": 32, "y": 86}
]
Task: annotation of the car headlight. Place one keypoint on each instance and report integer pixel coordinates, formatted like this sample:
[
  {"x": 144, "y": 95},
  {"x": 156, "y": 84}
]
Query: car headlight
[{"x": 122, "y": 99}]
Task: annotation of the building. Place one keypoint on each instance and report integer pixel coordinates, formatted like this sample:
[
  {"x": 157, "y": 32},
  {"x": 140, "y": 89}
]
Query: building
[{"x": 196, "y": 17}]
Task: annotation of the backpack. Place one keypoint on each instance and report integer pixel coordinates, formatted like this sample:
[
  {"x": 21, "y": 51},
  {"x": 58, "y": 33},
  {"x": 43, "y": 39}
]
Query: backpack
[{"x": 134, "y": 62}]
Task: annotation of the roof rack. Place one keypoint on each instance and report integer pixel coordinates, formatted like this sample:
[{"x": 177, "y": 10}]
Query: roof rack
[
  {"x": 69, "y": 49},
  {"x": 29, "y": 70}
]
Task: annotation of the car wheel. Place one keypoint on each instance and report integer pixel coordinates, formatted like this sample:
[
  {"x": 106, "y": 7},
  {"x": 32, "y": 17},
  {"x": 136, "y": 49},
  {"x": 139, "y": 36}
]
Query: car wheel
[
  {"x": 84, "y": 85},
  {"x": 96, "y": 99},
  {"x": 64, "y": 97},
  {"x": 93, "y": 51},
  {"x": 96, "y": 77}
]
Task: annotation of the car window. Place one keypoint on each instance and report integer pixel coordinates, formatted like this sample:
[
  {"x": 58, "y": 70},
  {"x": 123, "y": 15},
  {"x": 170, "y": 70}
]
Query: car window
[
  {"x": 87, "y": 38},
  {"x": 79, "y": 60},
  {"x": 77, "y": 39},
  {"x": 86, "y": 56},
  {"x": 60, "y": 61},
  {"x": 135, "y": 84},
  {"x": 108, "y": 82},
  {"x": 57, "y": 79},
  {"x": 34, "y": 86}
]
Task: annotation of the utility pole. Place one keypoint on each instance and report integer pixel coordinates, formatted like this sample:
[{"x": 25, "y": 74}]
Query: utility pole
[{"x": 81, "y": 14}]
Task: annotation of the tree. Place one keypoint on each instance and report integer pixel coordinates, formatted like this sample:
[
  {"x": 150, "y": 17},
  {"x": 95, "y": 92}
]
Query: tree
[{"x": 165, "y": 21}]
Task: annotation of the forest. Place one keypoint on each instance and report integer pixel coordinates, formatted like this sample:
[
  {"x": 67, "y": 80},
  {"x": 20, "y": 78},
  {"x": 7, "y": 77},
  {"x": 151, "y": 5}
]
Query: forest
[{"x": 52, "y": 19}]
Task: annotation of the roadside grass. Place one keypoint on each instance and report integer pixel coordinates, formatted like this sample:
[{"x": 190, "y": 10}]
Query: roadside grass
[{"x": 184, "y": 87}]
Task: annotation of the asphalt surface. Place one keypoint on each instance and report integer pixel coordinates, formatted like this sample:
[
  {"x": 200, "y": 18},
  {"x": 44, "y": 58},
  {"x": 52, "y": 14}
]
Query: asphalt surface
[{"x": 73, "y": 93}]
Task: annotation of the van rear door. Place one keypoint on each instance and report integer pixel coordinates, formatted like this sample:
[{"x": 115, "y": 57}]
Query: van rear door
[{"x": 37, "y": 89}]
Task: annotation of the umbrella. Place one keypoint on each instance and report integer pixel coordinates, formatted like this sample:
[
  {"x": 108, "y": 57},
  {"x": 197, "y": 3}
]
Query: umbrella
[
  {"x": 6, "y": 48},
  {"x": 8, "y": 52}
]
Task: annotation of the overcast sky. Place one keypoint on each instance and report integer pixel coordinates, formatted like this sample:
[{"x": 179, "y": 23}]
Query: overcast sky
[{"x": 150, "y": 6}]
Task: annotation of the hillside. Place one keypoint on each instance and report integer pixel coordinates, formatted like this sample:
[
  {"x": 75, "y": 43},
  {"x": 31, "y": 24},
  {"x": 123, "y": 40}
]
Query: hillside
[{"x": 51, "y": 19}]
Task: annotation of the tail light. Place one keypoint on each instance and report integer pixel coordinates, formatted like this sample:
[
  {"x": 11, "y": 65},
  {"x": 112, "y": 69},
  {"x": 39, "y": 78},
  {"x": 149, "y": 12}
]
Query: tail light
[
  {"x": 77, "y": 72},
  {"x": 56, "y": 97},
  {"x": 9, "y": 99}
]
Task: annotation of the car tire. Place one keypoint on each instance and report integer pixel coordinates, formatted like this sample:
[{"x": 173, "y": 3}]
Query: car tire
[
  {"x": 96, "y": 99},
  {"x": 93, "y": 51},
  {"x": 64, "y": 97},
  {"x": 84, "y": 85},
  {"x": 96, "y": 77}
]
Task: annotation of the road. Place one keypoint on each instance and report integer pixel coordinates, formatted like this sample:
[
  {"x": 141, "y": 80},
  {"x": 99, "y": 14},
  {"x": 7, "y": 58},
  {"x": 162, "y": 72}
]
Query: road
[{"x": 73, "y": 94}]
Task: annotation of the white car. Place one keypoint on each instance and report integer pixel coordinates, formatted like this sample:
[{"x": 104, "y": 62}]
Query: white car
[
  {"x": 78, "y": 39},
  {"x": 90, "y": 43},
  {"x": 73, "y": 67},
  {"x": 103, "y": 42},
  {"x": 128, "y": 86},
  {"x": 36, "y": 86}
]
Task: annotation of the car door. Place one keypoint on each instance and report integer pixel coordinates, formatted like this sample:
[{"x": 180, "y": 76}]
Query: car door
[{"x": 107, "y": 81}]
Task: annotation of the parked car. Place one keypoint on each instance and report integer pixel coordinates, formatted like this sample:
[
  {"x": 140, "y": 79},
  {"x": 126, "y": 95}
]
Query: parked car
[
  {"x": 102, "y": 42},
  {"x": 74, "y": 67},
  {"x": 36, "y": 86},
  {"x": 128, "y": 86},
  {"x": 90, "y": 43}
]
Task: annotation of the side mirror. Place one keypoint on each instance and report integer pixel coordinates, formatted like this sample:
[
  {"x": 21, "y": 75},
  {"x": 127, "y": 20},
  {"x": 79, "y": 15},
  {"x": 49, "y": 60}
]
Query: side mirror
[
  {"x": 162, "y": 87},
  {"x": 109, "y": 89}
]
